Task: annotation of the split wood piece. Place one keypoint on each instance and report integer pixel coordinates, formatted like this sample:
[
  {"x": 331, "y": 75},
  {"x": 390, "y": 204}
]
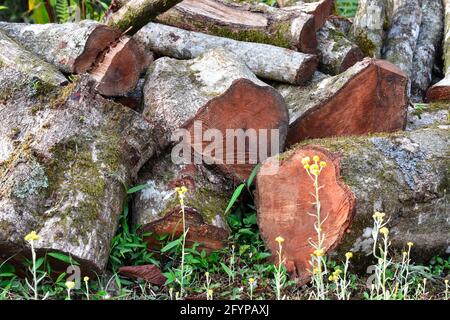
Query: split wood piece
[
  {"x": 337, "y": 54},
  {"x": 368, "y": 27},
  {"x": 130, "y": 16},
  {"x": 320, "y": 9},
  {"x": 65, "y": 155},
  {"x": 369, "y": 97},
  {"x": 284, "y": 65},
  {"x": 156, "y": 209},
  {"x": 402, "y": 37},
  {"x": 402, "y": 174},
  {"x": 215, "y": 91},
  {"x": 23, "y": 64},
  {"x": 441, "y": 90},
  {"x": 115, "y": 61},
  {"x": 253, "y": 23},
  {"x": 149, "y": 273},
  {"x": 429, "y": 40}
]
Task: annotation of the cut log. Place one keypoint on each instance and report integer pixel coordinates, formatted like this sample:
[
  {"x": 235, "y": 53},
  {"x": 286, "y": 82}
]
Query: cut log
[
  {"x": 337, "y": 54},
  {"x": 368, "y": 27},
  {"x": 156, "y": 209},
  {"x": 133, "y": 15},
  {"x": 284, "y": 65},
  {"x": 215, "y": 91},
  {"x": 441, "y": 90},
  {"x": 65, "y": 154},
  {"x": 369, "y": 97},
  {"x": 115, "y": 61},
  {"x": 26, "y": 65},
  {"x": 402, "y": 37},
  {"x": 149, "y": 273},
  {"x": 429, "y": 40},
  {"x": 320, "y": 9},
  {"x": 252, "y": 23},
  {"x": 404, "y": 175}
]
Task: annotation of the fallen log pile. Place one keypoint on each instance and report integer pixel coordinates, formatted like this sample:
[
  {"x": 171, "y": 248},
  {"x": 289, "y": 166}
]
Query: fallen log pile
[{"x": 195, "y": 93}]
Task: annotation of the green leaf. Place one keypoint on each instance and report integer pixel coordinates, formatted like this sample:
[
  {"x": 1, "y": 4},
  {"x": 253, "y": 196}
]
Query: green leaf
[
  {"x": 171, "y": 245},
  {"x": 252, "y": 175},
  {"x": 137, "y": 188},
  {"x": 234, "y": 197},
  {"x": 3, "y": 8},
  {"x": 227, "y": 270},
  {"x": 62, "y": 257}
]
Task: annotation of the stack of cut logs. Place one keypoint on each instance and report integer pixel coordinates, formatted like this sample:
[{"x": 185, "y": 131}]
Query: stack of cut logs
[{"x": 88, "y": 107}]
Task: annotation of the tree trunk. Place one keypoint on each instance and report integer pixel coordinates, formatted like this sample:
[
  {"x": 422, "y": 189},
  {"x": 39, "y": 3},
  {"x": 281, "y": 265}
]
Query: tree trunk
[
  {"x": 402, "y": 37},
  {"x": 156, "y": 209},
  {"x": 430, "y": 36},
  {"x": 404, "y": 175},
  {"x": 320, "y": 9},
  {"x": 65, "y": 154},
  {"x": 215, "y": 91},
  {"x": 284, "y": 65},
  {"x": 26, "y": 65},
  {"x": 368, "y": 27},
  {"x": 116, "y": 62},
  {"x": 258, "y": 23},
  {"x": 441, "y": 90},
  {"x": 337, "y": 54},
  {"x": 133, "y": 15},
  {"x": 369, "y": 97}
]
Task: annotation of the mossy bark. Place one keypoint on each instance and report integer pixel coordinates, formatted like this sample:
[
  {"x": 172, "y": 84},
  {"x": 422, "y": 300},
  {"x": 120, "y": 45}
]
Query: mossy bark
[
  {"x": 65, "y": 155},
  {"x": 337, "y": 54},
  {"x": 133, "y": 15},
  {"x": 368, "y": 27},
  {"x": 284, "y": 65},
  {"x": 252, "y": 23}
]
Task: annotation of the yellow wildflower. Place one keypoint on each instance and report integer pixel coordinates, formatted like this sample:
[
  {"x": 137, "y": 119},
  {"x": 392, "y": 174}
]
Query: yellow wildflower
[
  {"x": 349, "y": 255},
  {"x": 384, "y": 231},
  {"x": 210, "y": 292},
  {"x": 323, "y": 164},
  {"x": 251, "y": 281},
  {"x": 379, "y": 216},
  {"x": 333, "y": 278},
  {"x": 316, "y": 159},
  {"x": 410, "y": 244},
  {"x": 306, "y": 166},
  {"x": 306, "y": 161},
  {"x": 279, "y": 239},
  {"x": 337, "y": 272},
  {"x": 318, "y": 253},
  {"x": 446, "y": 281},
  {"x": 86, "y": 279},
  {"x": 70, "y": 285},
  {"x": 181, "y": 190},
  {"x": 32, "y": 236}
]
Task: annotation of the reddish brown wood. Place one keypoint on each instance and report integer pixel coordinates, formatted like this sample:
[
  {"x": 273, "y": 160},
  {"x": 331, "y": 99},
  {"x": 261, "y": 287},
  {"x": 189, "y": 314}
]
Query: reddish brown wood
[
  {"x": 372, "y": 99},
  {"x": 440, "y": 91},
  {"x": 321, "y": 10},
  {"x": 284, "y": 212},
  {"x": 149, "y": 273}
]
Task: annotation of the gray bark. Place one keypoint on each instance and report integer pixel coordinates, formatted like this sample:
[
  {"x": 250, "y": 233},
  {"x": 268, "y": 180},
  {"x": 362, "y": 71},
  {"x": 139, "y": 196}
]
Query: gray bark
[
  {"x": 253, "y": 23},
  {"x": 26, "y": 65},
  {"x": 402, "y": 37},
  {"x": 429, "y": 40},
  {"x": 368, "y": 27},
  {"x": 137, "y": 13},
  {"x": 178, "y": 92},
  {"x": 377, "y": 87},
  {"x": 284, "y": 65},
  {"x": 337, "y": 54},
  {"x": 343, "y": 24},
  {"x": 72, "y": 47},
  {"x": 65, "y": 154}
]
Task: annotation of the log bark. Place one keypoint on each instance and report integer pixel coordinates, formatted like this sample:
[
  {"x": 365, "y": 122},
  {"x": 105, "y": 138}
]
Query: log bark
[
  {"x": 156, "y": 209},
  {"x": 369, "y": 97},
  {"x": 368, "y": 27},
  {"x": 337, "y": 54},
  {"x": 441, "y": 90},
  {"x": 284, "y": 65},
  {"x": 252, "y": 23},
  {"x": 149, "y": 273},
  {"x": 321, "y": 10},
  {"x": 65, "y": 153},
  {"x": 402, "y": 37},
  {"x": 404, "y": 175},
  {"x": 214, "y": 91},
  {"x": 26, "y": 65},
  {"x": 115, "y": 61},
  {"x": 133, "y": 15}
]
